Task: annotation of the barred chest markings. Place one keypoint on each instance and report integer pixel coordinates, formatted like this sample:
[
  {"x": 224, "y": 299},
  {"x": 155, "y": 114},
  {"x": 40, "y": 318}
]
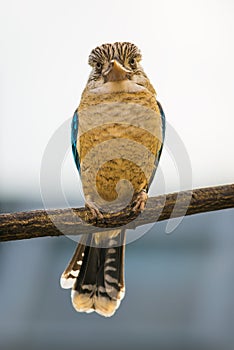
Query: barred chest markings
[{"x": 117, "y": 143}]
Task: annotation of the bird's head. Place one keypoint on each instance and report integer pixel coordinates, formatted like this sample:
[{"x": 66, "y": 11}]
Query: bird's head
[{"x": 116, "y": 67}]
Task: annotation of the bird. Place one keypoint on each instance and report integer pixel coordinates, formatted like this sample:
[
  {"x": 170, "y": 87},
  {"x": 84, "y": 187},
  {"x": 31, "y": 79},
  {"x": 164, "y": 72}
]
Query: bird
[{"x": 117, "y": 136}]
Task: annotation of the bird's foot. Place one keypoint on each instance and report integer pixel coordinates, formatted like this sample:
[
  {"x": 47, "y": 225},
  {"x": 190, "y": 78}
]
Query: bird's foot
[
  {"x": 96, "y": 214},
  {"x": 140, "y": 201}
]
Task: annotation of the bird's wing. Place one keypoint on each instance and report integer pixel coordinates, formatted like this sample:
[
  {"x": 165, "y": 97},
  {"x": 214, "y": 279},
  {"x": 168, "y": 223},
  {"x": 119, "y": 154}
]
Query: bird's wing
[
  {"x": 74, "y": 132},
  {"x": 158, "y": 155},
  {"x": 163, "y": 131}
]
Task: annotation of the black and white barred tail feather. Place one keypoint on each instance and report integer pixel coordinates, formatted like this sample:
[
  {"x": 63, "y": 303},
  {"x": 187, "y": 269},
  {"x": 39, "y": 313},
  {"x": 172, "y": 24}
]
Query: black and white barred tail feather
[{"x": 96, "y": 273}]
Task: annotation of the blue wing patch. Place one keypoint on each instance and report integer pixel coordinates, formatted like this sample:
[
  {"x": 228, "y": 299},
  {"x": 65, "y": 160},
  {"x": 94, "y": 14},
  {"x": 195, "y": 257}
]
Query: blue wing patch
[
  {"x": 157, "y": 158},
  {"x": 163, "y": 118},
  {"x": 74, "y": 132}
]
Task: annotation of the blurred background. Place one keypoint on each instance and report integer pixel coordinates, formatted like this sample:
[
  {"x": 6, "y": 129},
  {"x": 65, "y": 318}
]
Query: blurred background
[{"x": 180, "y": 287}]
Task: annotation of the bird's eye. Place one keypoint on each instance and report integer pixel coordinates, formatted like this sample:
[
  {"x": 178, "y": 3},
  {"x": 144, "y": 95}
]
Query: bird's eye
[
  {"x": 98, "y": 66},
  {"x": 132, "y": 62}
]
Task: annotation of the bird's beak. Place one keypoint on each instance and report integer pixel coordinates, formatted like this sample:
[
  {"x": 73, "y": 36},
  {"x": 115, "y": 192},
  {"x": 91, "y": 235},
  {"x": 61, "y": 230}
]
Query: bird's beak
[{"x": 116, "y": 72}]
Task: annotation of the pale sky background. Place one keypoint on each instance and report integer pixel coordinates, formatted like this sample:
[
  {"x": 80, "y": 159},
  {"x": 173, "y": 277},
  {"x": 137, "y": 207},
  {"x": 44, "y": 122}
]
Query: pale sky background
[{"x": 188, "y": 53}]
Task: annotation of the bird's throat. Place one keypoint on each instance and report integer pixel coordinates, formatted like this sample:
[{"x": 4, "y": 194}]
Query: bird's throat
[{"x": 118, "y": 86}]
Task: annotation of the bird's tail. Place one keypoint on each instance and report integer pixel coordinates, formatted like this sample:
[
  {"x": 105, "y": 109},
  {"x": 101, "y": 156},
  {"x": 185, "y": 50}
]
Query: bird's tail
[{"x": 96, "y": 273}]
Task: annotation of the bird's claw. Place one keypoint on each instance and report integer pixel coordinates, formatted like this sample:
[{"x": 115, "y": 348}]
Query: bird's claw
[
  {"x": 96, "y": 214},
  {"x": 140, "y": 201}
]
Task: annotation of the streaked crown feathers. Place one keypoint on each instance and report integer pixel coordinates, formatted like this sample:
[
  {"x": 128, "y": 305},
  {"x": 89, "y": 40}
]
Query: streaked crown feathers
[{"x": 108, "y": 52}]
